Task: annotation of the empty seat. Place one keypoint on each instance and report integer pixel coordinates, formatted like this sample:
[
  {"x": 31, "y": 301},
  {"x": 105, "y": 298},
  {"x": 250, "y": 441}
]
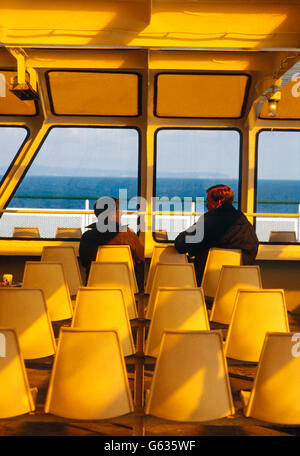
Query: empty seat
[
  {"x": 275, "y": 395},
  {"x": 190, "y": 380},
  {"x": 26, "y": 231},
  {"x": 176, "y": 308},
  {"x": 215, "y": 260},
  {"x": 170, "y": 275},
  {"x": 118, "y": 254},
  {"x": 282, "y": 236},
  {"x": 66, "y": 256},
  {"x": 16, "y": 397},
  {"x": 50, "y": 277},
  {"x": 89, "y": 379},
  {"x": 163, "y": 254},
  {"x": 114, "y": 275},
  {"x": 65, "y": 232},
  {"x": 231, "y": 279},
  {"x": 26, "y": 311},
  {"x": 255, "y": 313},
  {"x": 104, "y": 309}
]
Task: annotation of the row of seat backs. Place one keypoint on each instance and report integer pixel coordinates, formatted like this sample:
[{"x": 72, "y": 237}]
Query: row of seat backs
[
  {"x": 97, "y": 387},
  {"x": 34, "y": 232}
]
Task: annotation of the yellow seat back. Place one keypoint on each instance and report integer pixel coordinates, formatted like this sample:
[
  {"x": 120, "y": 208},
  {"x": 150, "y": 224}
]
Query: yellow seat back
[
  {"x": 26, "y": 311},
  {"x": 15, "y": 395},
  {"x": 49, "y": 277},
  {"x": 65, "y": 232},
  {"x": 190, "y": 381},
  {"x": 119, "y": 254},
  {"x": 67, "y": 257},
  {"x": 89, "y": 379},
  {"x": 255, "y": 313},
  {"x": 176, "y": 308},
  {"x": 163, "y": 254},
  {"x": 215, "y": 260},
  {"x": 114, "y": 275},
  {"x": 26, "y": 231},
  {"x": 104, "y": 309},
  {"x": 231, "y": 279},
  {"x": 275, "y": 396},
  {"x": 170, "y": 275}
]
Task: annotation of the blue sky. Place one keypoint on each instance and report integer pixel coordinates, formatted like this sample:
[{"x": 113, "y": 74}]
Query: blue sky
[{"x": 92, "y": 150}]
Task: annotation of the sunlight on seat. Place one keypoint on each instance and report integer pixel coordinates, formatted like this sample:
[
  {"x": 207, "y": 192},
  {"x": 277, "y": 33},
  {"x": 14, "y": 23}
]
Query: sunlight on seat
[
  {"x": 275, "y": 395},
  {"x": 95, "y": 388},
  {"x": 16, "y": 397},
  {"x": 175, "y": 308},
  {"x": 104, "y": 309},
  {"x": 114, "y": 275},
  {"x": 190, "y": 381}
]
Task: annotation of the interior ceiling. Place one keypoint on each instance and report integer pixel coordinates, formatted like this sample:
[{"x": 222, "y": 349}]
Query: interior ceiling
[{"x": 235, "y": 24}]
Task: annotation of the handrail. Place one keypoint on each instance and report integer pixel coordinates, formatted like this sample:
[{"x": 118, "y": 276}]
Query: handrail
[{"x": 70, "y": 211}]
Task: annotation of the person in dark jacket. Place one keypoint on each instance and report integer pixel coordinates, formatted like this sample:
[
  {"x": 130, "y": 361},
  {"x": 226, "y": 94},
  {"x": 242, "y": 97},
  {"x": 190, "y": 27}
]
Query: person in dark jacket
[
  {"x": 222, "y": 226},
  {"x": 109, "y": 231}
]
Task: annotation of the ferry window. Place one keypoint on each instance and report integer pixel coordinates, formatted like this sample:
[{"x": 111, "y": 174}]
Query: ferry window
[
  {"x": 93, "y": 93},
  {"x": 73, "y": 168},
  {"x": 201, "y": 95},
  {"x": 278, "y": 185},
  {"x": 188, "y": 161},
  {"x": 10, "y": 104},
  {"x": 11, "y": 139}
]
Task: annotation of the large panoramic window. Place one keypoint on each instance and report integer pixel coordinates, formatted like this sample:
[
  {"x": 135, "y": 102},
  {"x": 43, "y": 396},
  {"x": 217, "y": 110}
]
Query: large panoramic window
[
  {"x": 73, "y": 168},
  {"x": 11, "y": 139},
  {"x": 278, "y": 185},
  {"x": 188, "y": 161}
]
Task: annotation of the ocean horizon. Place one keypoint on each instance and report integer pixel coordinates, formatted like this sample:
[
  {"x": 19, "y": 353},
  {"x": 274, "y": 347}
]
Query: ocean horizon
[{"x": 69, "y": 192}]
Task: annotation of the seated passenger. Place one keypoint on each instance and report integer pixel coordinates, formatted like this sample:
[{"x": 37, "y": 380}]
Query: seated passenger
[
  {"x": 109, "y": 231},
  {"x": 222, "y": 226}
]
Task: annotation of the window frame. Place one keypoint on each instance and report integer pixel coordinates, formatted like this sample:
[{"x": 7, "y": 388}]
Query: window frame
[
  {"x": 18, "y": 151},
  {"x": 240, "y": 153},
  {"x": 256, "y": 179},
  {"x": 84, "y": 126}
]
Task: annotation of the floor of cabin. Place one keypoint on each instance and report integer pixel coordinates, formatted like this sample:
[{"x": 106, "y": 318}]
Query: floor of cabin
[{"x": 39, "y": 424}]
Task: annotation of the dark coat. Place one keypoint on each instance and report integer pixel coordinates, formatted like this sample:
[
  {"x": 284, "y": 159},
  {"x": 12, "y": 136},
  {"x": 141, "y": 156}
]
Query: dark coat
[
  {"x": 92, "y": 239},
  {"x": 224, "y": 227}
]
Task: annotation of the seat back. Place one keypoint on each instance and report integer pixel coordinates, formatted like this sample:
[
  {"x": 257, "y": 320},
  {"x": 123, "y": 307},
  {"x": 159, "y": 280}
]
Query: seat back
[
  {"x": 231, "y": 279},
  {"x": 65, "y": 232},
  {"x": 190, "y": 380},
  {"x": 26, "y": 311},
  {"x": 282, "y": 236},
  {"x": 177, "y": 309},
  {"x": 49, "y": 277},
  {"x": 163, "y": 254},
  {"x": 67, "y": 257},
  {"x": 118, "y": 254},
  {"x": 170, "y": 275},
  {"x": 104, "y": 309},
  {"x": 15, "y": 394},
  {"x": 255, "y": 313},
  {"x": 114, "y": 275},
  {"x": 95, "y": 388},
  {"x": 275, "y": 396},
  {"x": 215, "y": 260},
  {"x": 26, "y": 231}
]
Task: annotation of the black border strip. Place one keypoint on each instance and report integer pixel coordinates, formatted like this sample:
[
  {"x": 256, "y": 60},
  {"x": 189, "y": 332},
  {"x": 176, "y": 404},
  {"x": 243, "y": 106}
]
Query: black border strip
[
  {"x": 195, "y": 128},
  {"x": 256, "y": 176},
  {"x": 243, "y": 108},
  {"x": 68, "y": 70},
  {"x": 82, "y": 126},
  {"x": 2, "y": 70}
]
